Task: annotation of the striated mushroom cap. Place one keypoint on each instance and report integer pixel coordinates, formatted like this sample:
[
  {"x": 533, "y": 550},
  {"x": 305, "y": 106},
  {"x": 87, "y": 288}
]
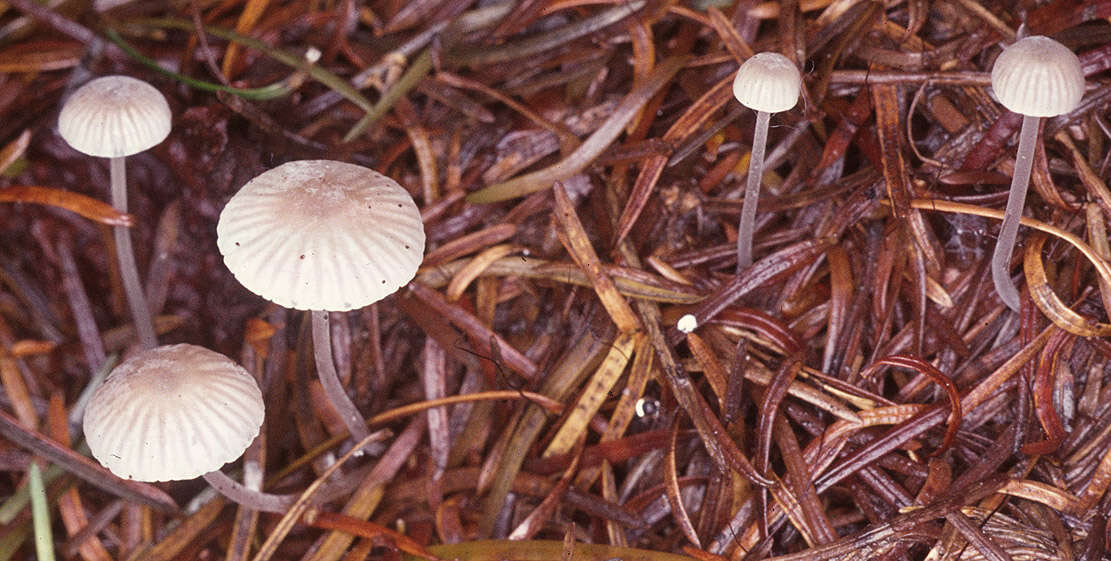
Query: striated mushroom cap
[
  {"x": 1038, "y": 77},
  {"x": 114, "y": 116},
  {"x": 173, "y": 412},
  {"x": 768, "y": 82},
  {"x": 321, "y": 235}
]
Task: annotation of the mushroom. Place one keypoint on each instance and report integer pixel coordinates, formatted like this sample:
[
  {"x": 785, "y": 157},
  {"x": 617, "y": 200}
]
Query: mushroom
[
  {"x": 687, "y": 324},
  {"x": 1035, "y": 77},
  {"x": 177, "y": 412},
  {"x": 114, "y": 117},
  {"x": 322, "y": 236},
  {"x": 766, "y": 83}
]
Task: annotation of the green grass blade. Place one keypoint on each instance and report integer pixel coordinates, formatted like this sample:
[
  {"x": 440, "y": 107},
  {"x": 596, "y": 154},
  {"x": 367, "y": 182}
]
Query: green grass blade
[
  {"x": 40, "y": 515},
  {"x": 272, "y": 91},
  {"x": 19, "y": 499},
  {"x": 315, "y": 71},
  {"x": 416, "y": 72}
]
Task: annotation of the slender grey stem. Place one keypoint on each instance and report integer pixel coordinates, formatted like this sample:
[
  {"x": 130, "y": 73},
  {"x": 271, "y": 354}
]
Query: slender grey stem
[
  {"x": 340, "y": 486},
  {"x": 129, "y": 272},
  {"x": 752, "y": 192},
  {"x": 240, "y": 494},
  {"x": 326, "y": 370},
  {"x": 1008, "y": 232}
]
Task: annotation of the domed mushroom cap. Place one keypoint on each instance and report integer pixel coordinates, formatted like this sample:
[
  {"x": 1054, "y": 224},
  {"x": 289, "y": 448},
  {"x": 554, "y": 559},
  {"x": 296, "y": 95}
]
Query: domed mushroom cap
[
  {"x": 173, "y": 412},
  {"x": 1039, "y": 77},
  {"x": 321, "y": 235},
  {"x": 687, "y": 324},
  {"x": 114, "y": 116},
  {"x": 768, "y": 82}
]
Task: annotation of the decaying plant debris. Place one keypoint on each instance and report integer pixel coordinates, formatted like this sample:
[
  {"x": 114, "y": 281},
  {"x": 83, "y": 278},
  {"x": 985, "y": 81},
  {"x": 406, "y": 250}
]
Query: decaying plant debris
[{"x": 860, "y": 392}]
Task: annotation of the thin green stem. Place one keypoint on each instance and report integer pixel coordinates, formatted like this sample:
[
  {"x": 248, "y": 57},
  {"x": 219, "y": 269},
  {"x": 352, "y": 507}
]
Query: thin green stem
[
  {"x": 317, "y": 72},
  {"x": 326, "y": 370},
  {"x": 747, "y": 224},
  {"x": 409, "y": 80},
  {"x": 18, "y": 500},
  {"x": 272, "y": 91},
  {"x": 1008, "y": 232},
  {"x": 129, "y": 272},
  {"x": 40, "y": 514}
]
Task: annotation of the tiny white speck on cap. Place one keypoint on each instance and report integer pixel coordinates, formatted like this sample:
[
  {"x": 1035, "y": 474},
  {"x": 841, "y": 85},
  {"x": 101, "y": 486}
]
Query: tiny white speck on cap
[
  {"x": 173, "y": 412},
  {"x": 114, "y": 116},
  {"x": 768, "y": 82},
  {"x": 321, "y": 235},
  {"x": 687, "y": 323},
  {"x": 1038, "y": 77}
]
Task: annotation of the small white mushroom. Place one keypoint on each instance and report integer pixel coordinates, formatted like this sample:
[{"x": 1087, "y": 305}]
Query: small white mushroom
[
  {"x": 177, "y": 412},
  {"x": 766, "y": 83},
  {"x": 323, "y": 236},
  {"x": 115, "y": 117},
  {"x": 1035, "y": 77},
  {"x": 687, "y": 324}
]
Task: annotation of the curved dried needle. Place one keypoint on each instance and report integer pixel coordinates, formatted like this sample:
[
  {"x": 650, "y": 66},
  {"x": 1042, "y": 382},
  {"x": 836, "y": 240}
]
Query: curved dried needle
[
  {"x": 74, "y": 202},
  {"x": 1048, "y": 302},
  {"x": 1103, "y": 268}
]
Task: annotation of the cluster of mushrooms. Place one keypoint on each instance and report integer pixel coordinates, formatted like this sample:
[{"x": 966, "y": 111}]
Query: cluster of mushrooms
[
  {"x": 314, "y": 235},
  {"x": 1035, "y": 77},
  {"x": 327, "y": 236}
]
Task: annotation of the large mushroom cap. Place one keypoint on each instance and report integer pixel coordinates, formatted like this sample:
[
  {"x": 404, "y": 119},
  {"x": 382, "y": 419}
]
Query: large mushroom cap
[
  {"x": 321, "y": 235},
  {"x": 768, "y": 82},
  {"x": 1038, "y": 77},
  {"x": 114, "y": 116},
  {"x": 173, "y": 412}
]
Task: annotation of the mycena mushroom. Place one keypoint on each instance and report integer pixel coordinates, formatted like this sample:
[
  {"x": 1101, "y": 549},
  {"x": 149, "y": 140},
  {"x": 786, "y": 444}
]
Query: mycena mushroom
[
  {"x": 687, "y": 324},
  {"x": 115, "y": 117},
  {"x": 1035, "y": 77},
  {"x": 177, "y": 412},
  {"x": 766, "y": 83},
  {"x": 322, "y": 236}
]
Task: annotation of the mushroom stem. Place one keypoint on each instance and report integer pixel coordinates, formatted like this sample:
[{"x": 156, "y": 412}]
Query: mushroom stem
[
  {"x": 241, "y": 494},
  {"x": 326, "y": 370},
  {"x": 1016, "y": 199},
  {"x": 129, "y": 272},
  {"x": 752, "y": 192}
]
